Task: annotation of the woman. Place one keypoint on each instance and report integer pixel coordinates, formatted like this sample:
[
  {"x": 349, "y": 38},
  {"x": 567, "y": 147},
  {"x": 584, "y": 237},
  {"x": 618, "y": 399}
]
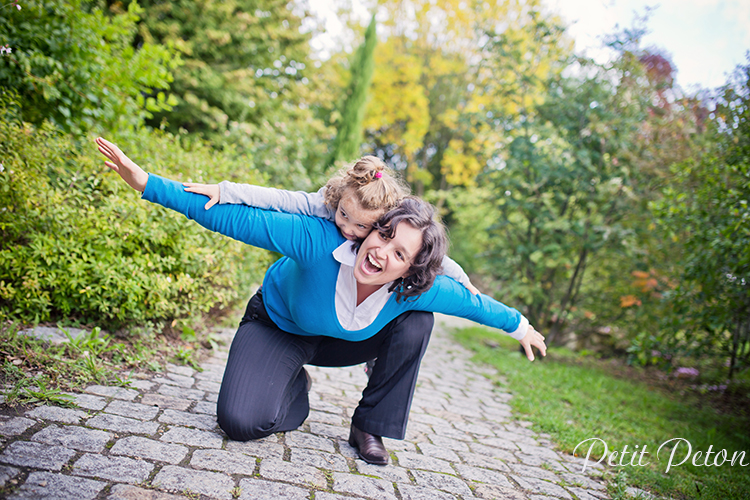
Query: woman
[{"x": 331, "y": 302}]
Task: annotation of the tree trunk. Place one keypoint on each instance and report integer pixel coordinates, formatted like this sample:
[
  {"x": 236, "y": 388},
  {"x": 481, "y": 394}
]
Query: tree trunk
[{"x": 735, "y": 346}]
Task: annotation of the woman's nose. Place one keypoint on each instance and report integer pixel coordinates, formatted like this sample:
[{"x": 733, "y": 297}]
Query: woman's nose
[{"x": 380, "y": 250}]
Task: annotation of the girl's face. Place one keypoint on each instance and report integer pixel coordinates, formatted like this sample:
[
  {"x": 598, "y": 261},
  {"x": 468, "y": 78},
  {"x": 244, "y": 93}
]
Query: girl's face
[
  {"x": 354, "y": 222},
  {"x": 381, "y": 259}
]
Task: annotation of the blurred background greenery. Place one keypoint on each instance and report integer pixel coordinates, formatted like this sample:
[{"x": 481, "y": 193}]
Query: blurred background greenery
[{"x": 600, "y": 199}]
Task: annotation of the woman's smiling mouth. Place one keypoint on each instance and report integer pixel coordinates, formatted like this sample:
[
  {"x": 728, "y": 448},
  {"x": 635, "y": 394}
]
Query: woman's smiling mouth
[{"x": 370, "y": 266}]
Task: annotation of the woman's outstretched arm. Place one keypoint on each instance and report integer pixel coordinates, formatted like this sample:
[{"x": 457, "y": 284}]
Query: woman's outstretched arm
[
  {"x": 448, "y": 297},
  {"x": 298, "y": 237},
  {"x": 135, "y": 176}
]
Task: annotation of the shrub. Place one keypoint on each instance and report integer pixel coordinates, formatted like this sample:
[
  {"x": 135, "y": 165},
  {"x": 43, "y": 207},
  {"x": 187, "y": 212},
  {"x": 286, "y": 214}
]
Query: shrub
[{"x": 78, "y": 244}]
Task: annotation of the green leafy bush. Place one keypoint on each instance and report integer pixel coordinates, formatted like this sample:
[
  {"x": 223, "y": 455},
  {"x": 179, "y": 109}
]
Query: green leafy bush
[
  {"x": 78, "y": 244},
  {"x": 73, "y": 64}
]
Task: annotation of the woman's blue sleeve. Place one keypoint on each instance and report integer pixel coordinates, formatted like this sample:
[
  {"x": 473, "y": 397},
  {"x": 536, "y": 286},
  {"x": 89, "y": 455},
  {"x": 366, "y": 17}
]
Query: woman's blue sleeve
[
  {"x": 296, "y": 236},
  {"x": 447, "y": 296}
]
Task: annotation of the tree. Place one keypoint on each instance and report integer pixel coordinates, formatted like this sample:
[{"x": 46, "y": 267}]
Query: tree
[
  {"x": 706, "y": 209},
  {"x": 566, "y": 188},
  {"x": 568, "y": 196},
  {"x": 243, "y": 84},
  {"x": 448, "y": 75},
  {"x": 239, "y": 56},
  {"x": 349, "y": 136}
]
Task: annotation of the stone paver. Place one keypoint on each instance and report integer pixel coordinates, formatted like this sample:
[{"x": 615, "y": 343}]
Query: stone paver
[
  {"x": 137, "y": 411},
  {"x": 258, "y": 489},
  {"x": 140, "y": 447},
  {"x": 50, "y": 486},
  {"x": 113, "y": 468},
  {"x": 123, "y": 424},
  {"x": 206, "y": 422},
  {"x": 57, "y": 414},
  {"x": 14, "y": 426},
  {"x": 179, "y": 479},
  {"x": 192, "y": 437},
  {"x": 36, "y": 455},
  {"x": 223, "y": 461},
  {"x": 70, "y": 436},
  {"x": 363, "y": 486},
  {"x": 158, "y": 440}
]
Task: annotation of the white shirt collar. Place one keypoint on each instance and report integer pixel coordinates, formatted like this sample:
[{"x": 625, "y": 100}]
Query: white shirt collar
[
  {"x": 351, "y": 316},
  {"x": 345, "y": 253}
]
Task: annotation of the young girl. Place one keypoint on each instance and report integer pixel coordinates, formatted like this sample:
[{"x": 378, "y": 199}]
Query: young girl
[{"x": 353, "y": 199}]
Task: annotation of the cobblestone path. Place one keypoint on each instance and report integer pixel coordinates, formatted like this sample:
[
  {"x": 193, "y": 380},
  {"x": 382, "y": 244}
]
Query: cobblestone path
[{"x": 159, "y": 441}]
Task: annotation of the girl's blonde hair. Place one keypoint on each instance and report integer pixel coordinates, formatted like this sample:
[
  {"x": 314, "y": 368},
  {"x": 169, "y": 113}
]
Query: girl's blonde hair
[{"x": 371, "y": 182}]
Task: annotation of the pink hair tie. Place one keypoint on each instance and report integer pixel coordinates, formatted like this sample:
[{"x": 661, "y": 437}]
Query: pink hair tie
[{"x": 378, "y": 175}]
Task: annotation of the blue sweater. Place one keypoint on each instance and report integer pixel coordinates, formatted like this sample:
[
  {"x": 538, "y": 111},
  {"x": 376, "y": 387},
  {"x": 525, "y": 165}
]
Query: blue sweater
[{"x": 299, "y": 289}]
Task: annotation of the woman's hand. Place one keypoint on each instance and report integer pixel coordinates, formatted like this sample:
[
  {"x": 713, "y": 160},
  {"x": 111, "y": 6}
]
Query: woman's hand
[
  {"x": 131, "y": 173},
  {"x": 211, "y": 190},
  {"x": 533, "y": 338}
]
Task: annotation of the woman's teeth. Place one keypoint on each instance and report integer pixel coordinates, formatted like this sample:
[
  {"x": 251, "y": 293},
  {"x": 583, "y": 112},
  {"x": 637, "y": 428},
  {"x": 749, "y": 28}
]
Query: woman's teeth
[{"x": 373, "y": 263}]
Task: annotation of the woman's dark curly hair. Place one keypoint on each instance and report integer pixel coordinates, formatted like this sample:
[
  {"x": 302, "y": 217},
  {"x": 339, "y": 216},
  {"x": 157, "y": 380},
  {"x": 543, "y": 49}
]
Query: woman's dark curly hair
[{"x": 428, "y": 263}]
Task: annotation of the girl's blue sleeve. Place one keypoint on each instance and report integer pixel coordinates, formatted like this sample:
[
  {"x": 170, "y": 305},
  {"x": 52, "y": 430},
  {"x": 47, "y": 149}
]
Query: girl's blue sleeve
[
  {"x": 449, "y": 297},
  {"x": 298, "y": 237}
]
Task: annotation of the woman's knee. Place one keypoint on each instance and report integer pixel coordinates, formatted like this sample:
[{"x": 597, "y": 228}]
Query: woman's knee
[
  {"x": 242, "y": 425},
  {"x": 414, "y": 328},
  {"x": 422, "y": 321}
]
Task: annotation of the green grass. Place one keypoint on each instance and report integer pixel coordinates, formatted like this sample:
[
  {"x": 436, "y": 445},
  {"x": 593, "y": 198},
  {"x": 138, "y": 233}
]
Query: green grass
[{"x": 574, "y": 400}]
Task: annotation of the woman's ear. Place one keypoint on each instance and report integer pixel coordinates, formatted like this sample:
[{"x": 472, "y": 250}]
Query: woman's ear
[{"x": 407, "y": 281}]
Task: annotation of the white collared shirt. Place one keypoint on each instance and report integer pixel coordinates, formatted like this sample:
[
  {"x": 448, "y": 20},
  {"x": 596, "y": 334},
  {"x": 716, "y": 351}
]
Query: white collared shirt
[{"x": 352, "y": 316}]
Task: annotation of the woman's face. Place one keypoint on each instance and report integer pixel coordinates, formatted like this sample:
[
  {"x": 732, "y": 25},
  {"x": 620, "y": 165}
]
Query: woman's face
[{"x": 381, "y": 260}]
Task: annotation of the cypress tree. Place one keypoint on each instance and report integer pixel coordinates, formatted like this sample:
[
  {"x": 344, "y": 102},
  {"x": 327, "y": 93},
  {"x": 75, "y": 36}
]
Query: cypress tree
[{"x": 349, "y": 135}]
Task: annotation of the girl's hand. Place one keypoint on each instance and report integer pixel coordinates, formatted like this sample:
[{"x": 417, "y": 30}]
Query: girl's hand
[
  {"x": 131, "y": 173},
  {"x": 533, "y": 338},
  {"x": 210, "y": 190},
  {"x": 474, "y": 290}
]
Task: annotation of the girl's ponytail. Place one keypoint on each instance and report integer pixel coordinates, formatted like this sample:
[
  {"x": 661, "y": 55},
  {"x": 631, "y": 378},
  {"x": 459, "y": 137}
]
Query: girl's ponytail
[{"x": 370, "y": 181}]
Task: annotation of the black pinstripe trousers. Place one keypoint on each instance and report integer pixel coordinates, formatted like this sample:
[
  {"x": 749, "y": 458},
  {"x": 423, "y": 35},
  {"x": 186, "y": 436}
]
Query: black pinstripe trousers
[{"x": 264, "y": 389}]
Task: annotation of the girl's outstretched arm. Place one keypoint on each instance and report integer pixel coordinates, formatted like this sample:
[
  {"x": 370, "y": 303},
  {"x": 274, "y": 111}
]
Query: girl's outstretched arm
[
  {"x": 131, "y": 173},
  {"x": 452, "y": 269},
  {"x": 280, "y": 200}
]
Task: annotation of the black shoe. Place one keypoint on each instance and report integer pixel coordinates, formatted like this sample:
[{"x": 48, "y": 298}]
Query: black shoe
[{"x": 370, "y": 447}]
